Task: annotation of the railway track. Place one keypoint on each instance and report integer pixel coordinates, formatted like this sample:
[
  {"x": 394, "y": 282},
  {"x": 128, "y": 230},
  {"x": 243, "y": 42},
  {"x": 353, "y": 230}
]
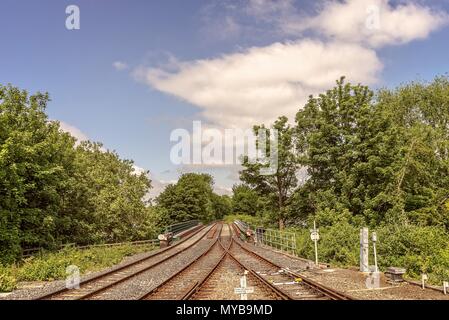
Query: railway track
[
  {"x": 214, "y": 274},
  {"x": 97, "y": 285},
  {"x": 178, "y": 286},
  {"x": 202, "y": 279},
  {"x": 225, "y": 276},
  {"x": 217, "y": 271},
  {"x": 295, "y": 286}
]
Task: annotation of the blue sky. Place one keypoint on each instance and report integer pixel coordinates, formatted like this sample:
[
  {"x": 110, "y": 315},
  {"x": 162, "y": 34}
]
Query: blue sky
[{"x": 197, "y": 60}]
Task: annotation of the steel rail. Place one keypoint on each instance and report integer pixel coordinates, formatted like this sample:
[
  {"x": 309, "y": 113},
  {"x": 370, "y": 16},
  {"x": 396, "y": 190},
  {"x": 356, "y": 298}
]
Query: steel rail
[
  {"x": 146, "y": 295},
  {"x": 331, "y": 293},
  {"x": 98, "y": 277},
  {"x": 195, "y": 288}
]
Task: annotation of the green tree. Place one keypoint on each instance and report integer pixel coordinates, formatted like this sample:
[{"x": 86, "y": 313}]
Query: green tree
[
  {"x": 245, "y": 201},
  {"x": 52, "y": 192},
  {"x": 221, "y": 205},
  {"x": 109, "y": 196},
  {"x": 383, "y": 157},
  {"x": 190, "y": 198},
  {"x": 279, "y": 186},
  {"x": 33, "y": 179}
]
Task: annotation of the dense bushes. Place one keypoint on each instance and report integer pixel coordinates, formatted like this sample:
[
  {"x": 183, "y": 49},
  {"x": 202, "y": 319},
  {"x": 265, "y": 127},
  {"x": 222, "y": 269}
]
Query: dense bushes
[
  {"x": 7, "y": 280},
  {"x": 418, "y": 249},
  {"x": 53, "y": 191}
]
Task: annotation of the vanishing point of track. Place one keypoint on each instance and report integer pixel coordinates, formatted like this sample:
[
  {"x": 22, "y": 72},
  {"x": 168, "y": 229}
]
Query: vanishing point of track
[{"x": 211, "y": 275}]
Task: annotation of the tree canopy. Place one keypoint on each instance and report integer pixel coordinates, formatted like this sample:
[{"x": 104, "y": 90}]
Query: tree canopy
[
  {"x": 191, "y": 198},
  {"x": 376, "y": 157},
  {"x": 54, "y": 192}
]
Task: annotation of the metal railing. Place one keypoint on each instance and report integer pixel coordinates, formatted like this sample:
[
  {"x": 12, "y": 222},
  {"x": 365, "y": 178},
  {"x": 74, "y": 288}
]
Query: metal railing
[
  {"x": 280, "y": 240},
  {"x": 175, "y": 228},
  {"x": 181, "y": 226},
  {"x": 26, "y": 253}
]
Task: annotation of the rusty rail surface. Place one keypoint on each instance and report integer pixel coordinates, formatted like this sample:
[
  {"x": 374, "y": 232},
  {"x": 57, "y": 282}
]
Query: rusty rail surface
[{"x": 103, "y": 281}]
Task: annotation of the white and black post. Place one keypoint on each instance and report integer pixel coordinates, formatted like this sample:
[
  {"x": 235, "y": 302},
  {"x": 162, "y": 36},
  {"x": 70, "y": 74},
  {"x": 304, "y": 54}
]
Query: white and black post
[
  {"x": 315, "y": 236},
  {"x": 364, "y": 247},
  {"x": 374, "y": 239}
]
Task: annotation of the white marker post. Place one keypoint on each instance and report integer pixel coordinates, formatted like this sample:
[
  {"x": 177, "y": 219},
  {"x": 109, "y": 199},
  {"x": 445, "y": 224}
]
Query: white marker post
[
  {"x": 423, "y": 280},
  {"x": 315, "y": 236},
  {"x": 445, "y": 286},
  {"x": 244, "y": 289},
  {"x": 374, "y": 239},
  {"x": 364, "y": 247}
]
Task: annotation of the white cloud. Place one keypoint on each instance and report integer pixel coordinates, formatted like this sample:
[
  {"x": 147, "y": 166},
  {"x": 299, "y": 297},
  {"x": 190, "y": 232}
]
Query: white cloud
[
  {"x": 158, "y": 186},
  {"x": 261, "y": 83},
  {"x": 373, "y": 22},
  {"x": 75, "y": 132},
  {"x": 222, "y": 191},
  {"x": 120, "y": 66},
  {"x": 138, "y": 170}
]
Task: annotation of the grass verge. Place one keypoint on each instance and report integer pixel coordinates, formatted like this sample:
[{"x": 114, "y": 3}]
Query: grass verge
[{"x": 52, "y": 265}]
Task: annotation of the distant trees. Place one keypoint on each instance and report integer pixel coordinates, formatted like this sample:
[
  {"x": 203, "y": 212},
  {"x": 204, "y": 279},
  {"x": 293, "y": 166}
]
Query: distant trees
[
  {"x": 245, "y": 200},
  {"x": 52, "y": 192},
  {"x": 222, "y": 205},
  {"x": 192, "y": 197}
]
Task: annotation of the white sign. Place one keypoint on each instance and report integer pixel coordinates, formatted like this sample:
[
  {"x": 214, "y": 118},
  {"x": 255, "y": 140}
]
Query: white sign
[
  {"x": 244, "y": 289},
  {"x": 315, "y": 236}
]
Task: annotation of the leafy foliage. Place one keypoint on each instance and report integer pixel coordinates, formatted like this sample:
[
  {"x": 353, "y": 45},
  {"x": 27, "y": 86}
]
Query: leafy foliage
[
  {"x": 377, "y": 159},
  {"x": 279, "y": 186},
  {"x": 53, "y": 192},
  {"x": 191, "y": 198}
]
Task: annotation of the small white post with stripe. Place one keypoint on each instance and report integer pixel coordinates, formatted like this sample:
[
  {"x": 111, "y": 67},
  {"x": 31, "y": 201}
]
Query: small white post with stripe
[
  {"x": 244, "y": 289},
  {"x": 315, "y": 236}
]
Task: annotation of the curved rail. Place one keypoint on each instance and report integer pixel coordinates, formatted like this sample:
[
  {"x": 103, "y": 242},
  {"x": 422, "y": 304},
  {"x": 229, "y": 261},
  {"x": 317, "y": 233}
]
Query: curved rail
[
  {"x": 196, "y": 288},
  {"x": 328, "y": 292},
  {"x": 116, "y": 275},
  {"x": 153, "y": 293}
]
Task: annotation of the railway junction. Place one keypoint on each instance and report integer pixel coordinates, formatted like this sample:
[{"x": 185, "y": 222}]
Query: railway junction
[{"x": 214, "y": 262}]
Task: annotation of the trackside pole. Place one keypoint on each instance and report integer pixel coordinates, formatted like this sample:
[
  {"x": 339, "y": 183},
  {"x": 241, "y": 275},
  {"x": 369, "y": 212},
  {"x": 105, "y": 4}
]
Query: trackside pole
[
  {"x": 364, "y": 246},
  {"x": 315, "y": 236},
  {"x": 423, "y": 280},
  {"x": 374, "y": 239}
]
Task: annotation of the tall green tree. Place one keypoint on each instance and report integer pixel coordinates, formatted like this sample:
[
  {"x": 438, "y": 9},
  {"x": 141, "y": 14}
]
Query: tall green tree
[
  {"x": 33, "y": 158},
  {"x": 280, "y": 185},
  {"x": 381, "y": 156}
]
